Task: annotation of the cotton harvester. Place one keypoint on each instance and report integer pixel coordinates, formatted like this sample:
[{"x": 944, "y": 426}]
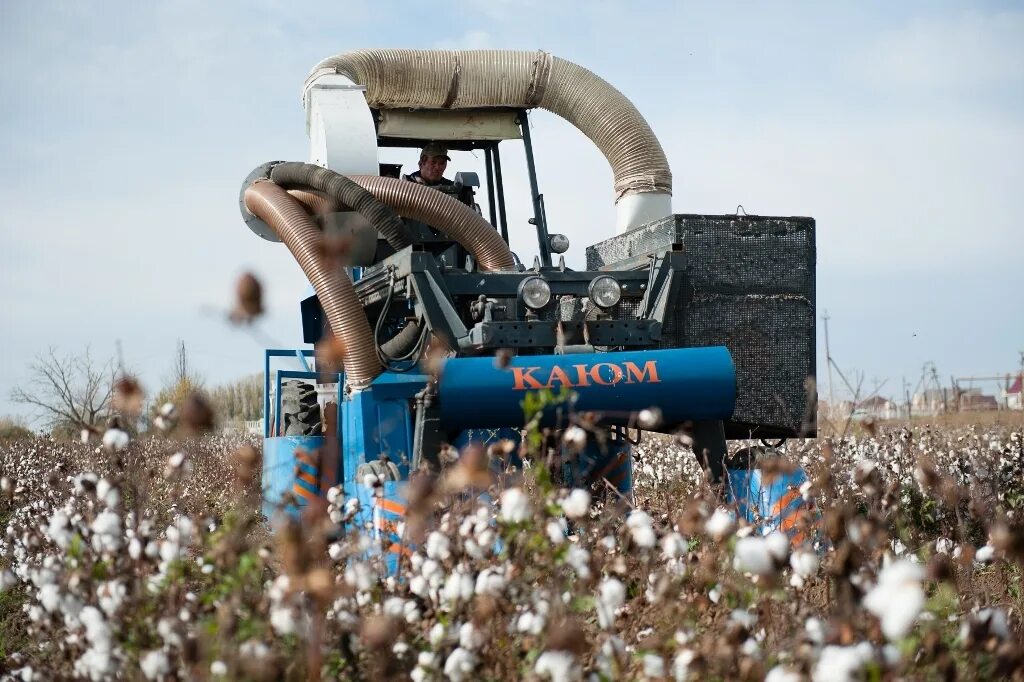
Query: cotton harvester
[{"x": 704, "y": 321}]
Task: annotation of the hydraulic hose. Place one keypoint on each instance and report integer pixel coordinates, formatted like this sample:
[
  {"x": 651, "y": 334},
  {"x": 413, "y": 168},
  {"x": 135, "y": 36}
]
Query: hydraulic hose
[
  {"x": 341, "y": 305},
  {"x": 402, "y": 343},
  {"x": 468, "y": 79},
  {"x": 291, "y": 175}
]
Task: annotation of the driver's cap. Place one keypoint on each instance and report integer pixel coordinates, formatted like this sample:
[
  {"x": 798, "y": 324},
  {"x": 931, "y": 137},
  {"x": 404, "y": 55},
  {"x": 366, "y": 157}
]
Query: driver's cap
[{"x": 433, "y": 149}]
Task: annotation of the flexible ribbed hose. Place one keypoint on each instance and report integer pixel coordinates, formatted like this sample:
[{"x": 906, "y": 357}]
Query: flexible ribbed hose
[
  {"x": 317, "y": 203},
  {"x": 341, "y": 305},
  {"x": 464, "y": 79},
  {"x": 291, "y": 174},
  {"x": 449, "y": 215}
]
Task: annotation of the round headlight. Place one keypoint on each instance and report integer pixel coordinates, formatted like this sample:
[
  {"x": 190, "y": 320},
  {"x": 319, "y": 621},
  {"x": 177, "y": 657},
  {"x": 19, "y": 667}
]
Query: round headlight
[
  {"x": 535, "y": 292},
  {"x": 604, "y": 291}
]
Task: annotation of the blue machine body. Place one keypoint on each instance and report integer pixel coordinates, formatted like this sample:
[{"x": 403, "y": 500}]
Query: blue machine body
[
  {"x": 771, "y": 502},
  {"x": 684, "y": 383}
]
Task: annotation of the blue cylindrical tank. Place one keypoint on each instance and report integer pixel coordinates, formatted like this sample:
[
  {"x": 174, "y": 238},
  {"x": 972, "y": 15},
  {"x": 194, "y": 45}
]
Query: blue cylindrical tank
[{"x": 684, "y": 383}]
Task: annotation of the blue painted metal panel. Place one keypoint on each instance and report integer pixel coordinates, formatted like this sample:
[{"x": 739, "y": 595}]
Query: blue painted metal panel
[
  {"x": 773, "y": 503},
  {"x": 684, "y": 383},
  {"x": 280, "y": 466}
]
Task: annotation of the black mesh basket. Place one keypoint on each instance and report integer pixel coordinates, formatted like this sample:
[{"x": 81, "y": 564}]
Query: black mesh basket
[{"x": 749, "y": 286}]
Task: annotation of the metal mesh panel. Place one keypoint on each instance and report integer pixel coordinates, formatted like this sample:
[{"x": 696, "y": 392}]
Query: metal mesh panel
[{"x": 749, "y": 285}]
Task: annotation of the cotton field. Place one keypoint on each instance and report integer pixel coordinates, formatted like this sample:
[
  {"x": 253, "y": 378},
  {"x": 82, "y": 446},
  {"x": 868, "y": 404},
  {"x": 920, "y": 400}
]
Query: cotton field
[{"x": 149, "y": 559}]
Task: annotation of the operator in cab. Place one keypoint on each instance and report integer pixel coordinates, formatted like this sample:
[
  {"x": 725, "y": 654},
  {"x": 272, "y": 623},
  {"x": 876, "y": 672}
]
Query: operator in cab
[{"x": 433, "y": 162}]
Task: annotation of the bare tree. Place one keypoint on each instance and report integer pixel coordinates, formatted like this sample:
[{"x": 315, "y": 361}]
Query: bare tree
[{"x": 70, "y": 391}]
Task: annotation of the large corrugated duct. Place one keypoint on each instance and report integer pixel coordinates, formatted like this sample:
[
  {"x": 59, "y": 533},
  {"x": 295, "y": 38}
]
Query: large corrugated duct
[
  {"x": 427, "y": 205},
  {"x": 465, "y": 79},
  {"x": 291, "y": 174},
  {"x": 345, "y": 314}
]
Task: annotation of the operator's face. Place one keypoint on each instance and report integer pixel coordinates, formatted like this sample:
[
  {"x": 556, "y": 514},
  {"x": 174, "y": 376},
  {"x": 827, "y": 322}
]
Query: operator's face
[{"x": 432, "y": 169}]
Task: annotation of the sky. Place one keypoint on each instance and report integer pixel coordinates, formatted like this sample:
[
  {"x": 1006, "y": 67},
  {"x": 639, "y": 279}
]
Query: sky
[{"x": 127, "y": 128}]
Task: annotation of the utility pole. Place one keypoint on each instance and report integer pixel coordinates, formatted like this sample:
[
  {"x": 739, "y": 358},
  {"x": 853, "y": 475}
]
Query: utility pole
[{"x": 828, "y": 361}]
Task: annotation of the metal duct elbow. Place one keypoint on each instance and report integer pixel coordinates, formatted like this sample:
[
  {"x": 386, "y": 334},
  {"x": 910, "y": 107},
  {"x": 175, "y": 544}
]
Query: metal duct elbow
[
  {"x": 448, "y": 215},
  {"x": 293, "y": 175},
  {"x": 463, "y": 79},
  {"x": 345, "y": 315}
]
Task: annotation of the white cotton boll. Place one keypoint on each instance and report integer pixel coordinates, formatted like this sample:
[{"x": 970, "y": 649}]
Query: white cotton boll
[
  {"x": 419, "y": 586},
  {"x": 515, "y": 506},
  {"x": 460, "y": 664},
  {"x": 457, "y": 588},
  {"x": 944, "y": 546},
  {"x": 394, "y": 607},
  {"x": 574, "y": 439},
  {"x": 576, "y": 504},
  {"x": 135, "y": 549},
  {"x": 115, "y": 440},
  {"x": 59, "y": 529},
  {"x": 49, "y": 597},
  {"x": 744, "y": 618},
  {"x": 438, "y": 546},
  {"x": 640, "y": 527},
  {"x": 681, "y": 665},
  {"x": 218, "y": 669},
  {"x": 579, "y": 559},
  {"x": 804, "y": 563},
  {"x": 715, "y": 594},
  {"x": 898, "y": 598},
  {"x": 106, "y": 528},
  {"x": 753, "y": 556},
  {"x": 611, "y": 597},
  {"x": 335, "y": 550},
  {"x": 673, "y": 546},
  {"x": 470, "y": 637},
  {"x": 782, "y": 674},
  {"x": 557, "y": 666},
  {"x": 108, "y": 494},
  {"x": 370, "y": 480},
  {"x": 778, "y": 546},
  {"x": 252, "y": 648},
  {"x": 436, "y": 635},
  {"x": 167, "y": 410},
  {"x": 654, "y": 666},
  {"x": 720, "y": 524},
  {"x": 154, "y": 664},
  {"x": 334, "y": 494},
  {"x": 7, "y": 580},
  {"x": 490, "y": 582},
  {"x": 282, "y": 620},
  {"x": 111, "y": 595},
  {"x": 814, "y": 628},
  {"x": 985, "y": 554},
  {"x": 95, "y": 664},
  {"x": 840, "y": 663},
  {"x": 351, "y": 506},
  {"x": 555, "y": 530}
]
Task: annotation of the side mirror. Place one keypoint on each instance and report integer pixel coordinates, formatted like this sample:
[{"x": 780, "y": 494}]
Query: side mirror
[{"x": 558, "y": 243}]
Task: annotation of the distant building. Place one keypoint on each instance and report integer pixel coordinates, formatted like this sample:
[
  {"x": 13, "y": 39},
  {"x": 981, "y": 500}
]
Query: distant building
[
  {"x": 973, "y": 400},
  {"x": 931, "y": 402},
  {"x": 876, "y": 407},
  {"x": 1012, "y": 395}
]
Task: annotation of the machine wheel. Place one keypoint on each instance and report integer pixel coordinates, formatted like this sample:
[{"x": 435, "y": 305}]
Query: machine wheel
[{"x": 300, "y": 411}]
